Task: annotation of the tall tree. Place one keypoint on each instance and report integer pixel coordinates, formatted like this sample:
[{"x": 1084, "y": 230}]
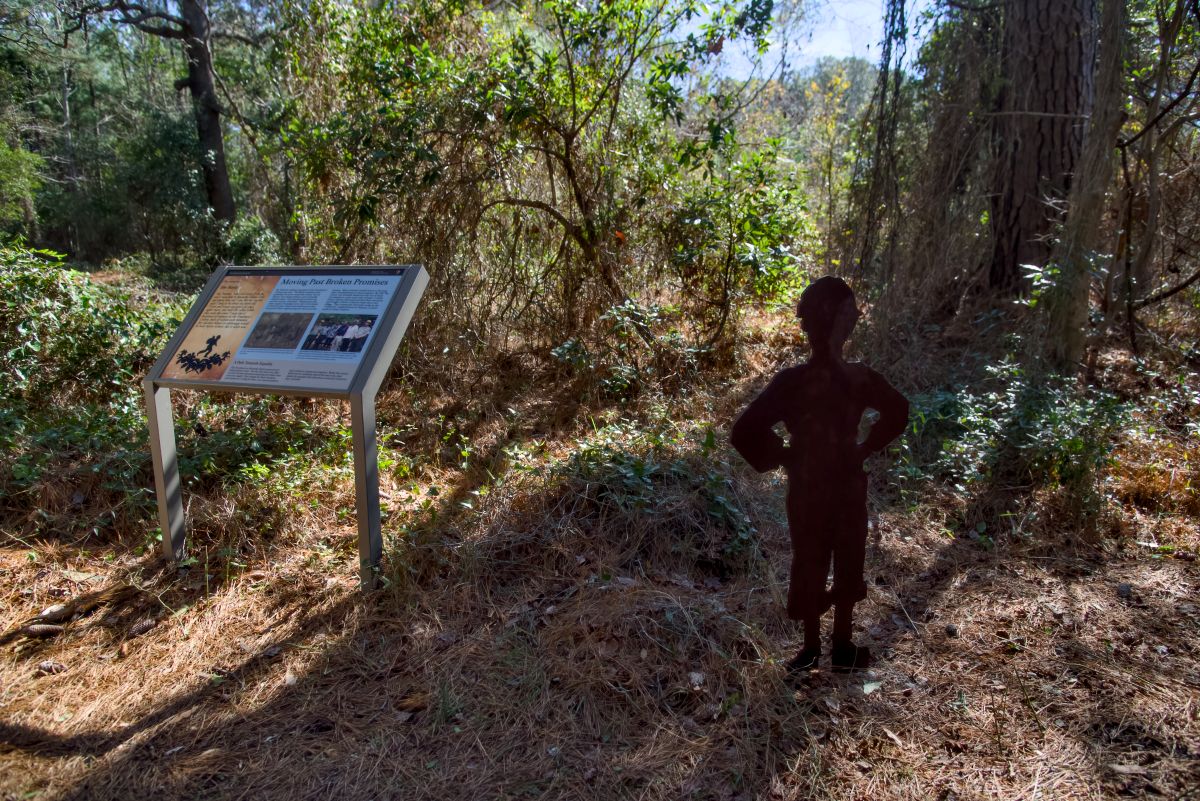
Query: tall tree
[
  {"x": 1048, "y": 68},
  {"x": 1067, "y": 305},
  {"x": 192, "y": 27}
]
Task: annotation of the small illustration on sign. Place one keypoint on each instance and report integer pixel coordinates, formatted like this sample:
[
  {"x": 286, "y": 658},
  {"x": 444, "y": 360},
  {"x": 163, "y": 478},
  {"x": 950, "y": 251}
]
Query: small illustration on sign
[{"x": 203, "y": 361}]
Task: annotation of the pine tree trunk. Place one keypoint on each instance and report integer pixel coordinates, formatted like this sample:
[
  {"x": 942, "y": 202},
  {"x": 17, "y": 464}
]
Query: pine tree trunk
[
  {"x": 1067, "y": 305},
  {"x": 1048, "y": 57}
]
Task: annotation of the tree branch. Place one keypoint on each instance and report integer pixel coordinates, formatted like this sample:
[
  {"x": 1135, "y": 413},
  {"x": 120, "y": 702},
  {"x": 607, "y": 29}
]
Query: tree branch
[
  {"x": 976, "y": 8},
  {"x": 156, "y": 30},
  {"x": 1187, "y": 90},
  {"x": 571, "y": 228},
  {"x": 252, "y": 41},
  {"x": 134, "y": 14},
  {"x": 1166, "y": 293},
  {"x": 562, "y": 35},
  {"x": 128, "y": 10}
]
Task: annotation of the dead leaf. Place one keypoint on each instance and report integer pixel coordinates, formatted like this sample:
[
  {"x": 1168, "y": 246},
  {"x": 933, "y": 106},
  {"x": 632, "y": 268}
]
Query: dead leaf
[
  {"x": 55, "y": 613},
  {"x": 80, "y": 577},
  {"x": 1127, "y": 770},
  {"x": 413, "y": 703}
]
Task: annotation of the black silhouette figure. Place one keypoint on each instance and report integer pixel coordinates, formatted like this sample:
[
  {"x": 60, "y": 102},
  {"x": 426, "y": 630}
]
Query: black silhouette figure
[
  {"x": 192, "y": 363},
  {"x": 821, "y": 403},
  {"x": 212, "y": 343}
]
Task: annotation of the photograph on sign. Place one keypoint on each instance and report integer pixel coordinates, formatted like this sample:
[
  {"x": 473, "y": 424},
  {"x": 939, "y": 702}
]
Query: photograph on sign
[
  {"x": 342, "y": 333},
  {"x": 285, "y": 330}
]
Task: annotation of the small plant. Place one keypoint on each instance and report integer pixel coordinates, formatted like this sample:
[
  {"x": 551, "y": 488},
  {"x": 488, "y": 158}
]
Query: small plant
[
  {"x": 631, "y": 469},
  {"x": 249, "y": 241},
  {"x": 1016, "y": 429}
]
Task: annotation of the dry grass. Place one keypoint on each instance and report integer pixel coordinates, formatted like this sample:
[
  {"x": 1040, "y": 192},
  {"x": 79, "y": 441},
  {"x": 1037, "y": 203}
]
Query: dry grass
[{"x": 554, "y": 641}]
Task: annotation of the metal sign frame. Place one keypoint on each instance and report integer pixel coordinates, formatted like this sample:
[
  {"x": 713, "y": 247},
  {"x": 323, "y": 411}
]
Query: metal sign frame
[{"x": 364, "y": 386}]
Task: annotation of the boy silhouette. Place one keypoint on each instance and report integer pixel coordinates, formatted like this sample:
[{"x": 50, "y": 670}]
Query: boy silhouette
[{"x": 821, "y": 403}]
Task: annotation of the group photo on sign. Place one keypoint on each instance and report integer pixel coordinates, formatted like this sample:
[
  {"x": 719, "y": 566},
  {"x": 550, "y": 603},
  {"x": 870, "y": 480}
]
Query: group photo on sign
[
  {"x": 345, "y": 333},
  {"x": 600, "y": 399}
]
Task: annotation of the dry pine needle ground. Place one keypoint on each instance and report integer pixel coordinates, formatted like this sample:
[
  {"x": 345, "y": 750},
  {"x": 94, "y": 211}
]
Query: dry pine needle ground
[{"x": 546, "y": 644}]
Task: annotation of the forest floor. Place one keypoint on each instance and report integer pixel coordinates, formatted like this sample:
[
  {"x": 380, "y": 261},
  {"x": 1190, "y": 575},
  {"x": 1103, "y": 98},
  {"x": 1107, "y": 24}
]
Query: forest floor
[{"x": 545, "y": 637}]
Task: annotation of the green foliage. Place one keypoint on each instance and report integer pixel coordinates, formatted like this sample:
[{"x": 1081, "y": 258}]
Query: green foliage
[
  {"x": 72, "y": 353},
  {"x": 66, "y": 337},
  {"x": 825, "y": 104},
  {"x": 147, "y": 194},
  {"x": 98, "y": 444},
  {"x": 19, "y": 179},
  {"x": 249, "y": 241},
  {"x": 1174, "y": 400},
  {"x": 640, "y": 472},
  {"x": 116, "y": 139},
  {"x": 636, "y": 348},
  {"x": 72, "y": 356},
  {"x": 554, "y": 146},
  {"x": 1014, "y": 429},
  {"x": 740, "y": 236},
  {"x": 255, "y": 439}
]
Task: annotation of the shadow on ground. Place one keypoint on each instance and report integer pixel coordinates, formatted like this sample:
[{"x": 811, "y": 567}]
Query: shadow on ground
[{"x": 565, "y": 653}]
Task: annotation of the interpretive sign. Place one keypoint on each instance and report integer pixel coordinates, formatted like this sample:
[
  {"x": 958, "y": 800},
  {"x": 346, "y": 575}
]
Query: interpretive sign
[
  {"x": 311, "y": 331},
  {"x": 289, "y": 330}
]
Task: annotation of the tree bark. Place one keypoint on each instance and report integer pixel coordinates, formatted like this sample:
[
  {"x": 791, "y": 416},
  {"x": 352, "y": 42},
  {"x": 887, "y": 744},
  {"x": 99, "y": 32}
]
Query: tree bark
[
  {"x": 1067, "y": 304},
  {"x": 1048, "y": 56},
  {"x": 1149, "y": 148},
  {"x": 201, "y": 84}
]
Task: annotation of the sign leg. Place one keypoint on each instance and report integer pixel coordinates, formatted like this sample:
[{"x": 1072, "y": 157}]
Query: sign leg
[
  {"x": 366, "y": 489},
  {"x": 167, "y": 486}
]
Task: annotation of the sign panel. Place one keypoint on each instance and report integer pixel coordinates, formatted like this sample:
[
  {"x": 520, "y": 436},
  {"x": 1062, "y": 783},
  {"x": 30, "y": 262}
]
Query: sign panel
[
  {"x": 310, "y": 331},
  {"x": 285, "y": 329}
]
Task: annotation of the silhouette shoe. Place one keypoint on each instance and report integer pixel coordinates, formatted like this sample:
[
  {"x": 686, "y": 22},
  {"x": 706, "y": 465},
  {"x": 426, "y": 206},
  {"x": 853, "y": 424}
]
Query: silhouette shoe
[
  {"x": 849, "y": 657},
  {"x": 804, "y": 661}
]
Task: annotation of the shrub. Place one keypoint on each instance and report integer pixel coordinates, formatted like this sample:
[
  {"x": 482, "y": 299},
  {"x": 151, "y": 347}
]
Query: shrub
[
  {"x": 655, "y": 481},
  {"x": 249, "y": 241},
  {"x": 64, "y": 336},
  {"x": 1015, "y": 429}
]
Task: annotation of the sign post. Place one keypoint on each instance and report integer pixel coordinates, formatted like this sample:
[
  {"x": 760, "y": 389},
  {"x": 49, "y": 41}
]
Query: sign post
[{"x": 310, "y": 331}]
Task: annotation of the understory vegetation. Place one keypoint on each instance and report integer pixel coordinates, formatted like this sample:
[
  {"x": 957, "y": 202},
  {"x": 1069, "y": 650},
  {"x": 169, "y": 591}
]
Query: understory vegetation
[{"x": 582, "y": 592}]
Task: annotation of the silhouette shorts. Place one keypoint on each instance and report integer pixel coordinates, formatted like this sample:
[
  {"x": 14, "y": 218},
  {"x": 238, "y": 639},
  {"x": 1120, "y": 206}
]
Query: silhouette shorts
[{"x": 827, "y": 524}]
